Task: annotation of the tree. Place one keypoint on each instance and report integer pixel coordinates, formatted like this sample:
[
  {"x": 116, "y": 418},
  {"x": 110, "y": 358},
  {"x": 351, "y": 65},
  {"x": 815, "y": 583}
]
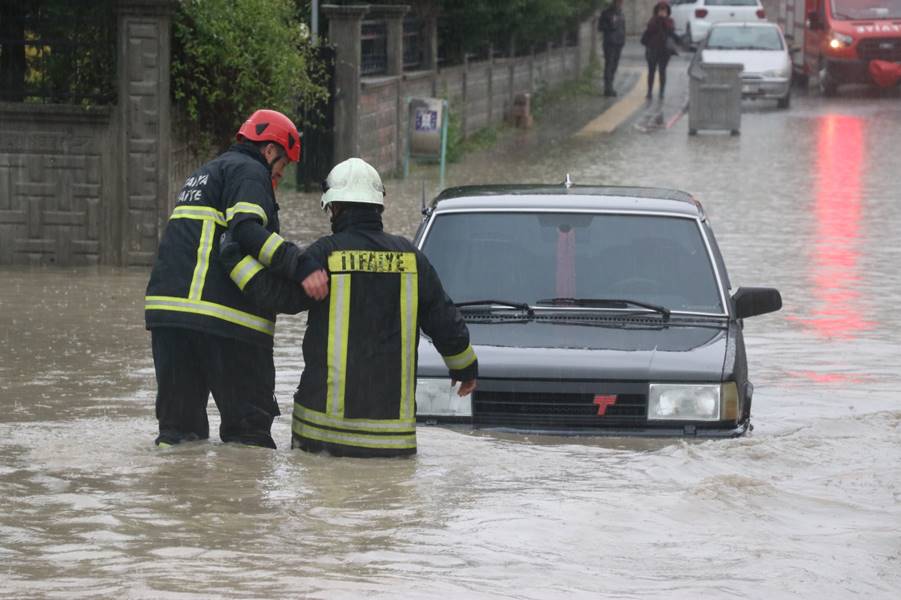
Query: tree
[{"x": 231, "y": 57}]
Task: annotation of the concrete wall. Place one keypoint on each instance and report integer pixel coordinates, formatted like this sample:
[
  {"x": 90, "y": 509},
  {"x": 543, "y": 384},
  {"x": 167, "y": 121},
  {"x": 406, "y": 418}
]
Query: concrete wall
[
  {"x": 57, "y": 192},
  {"x": 480, "y": 92},
  {"x": 86, "y": 186}
]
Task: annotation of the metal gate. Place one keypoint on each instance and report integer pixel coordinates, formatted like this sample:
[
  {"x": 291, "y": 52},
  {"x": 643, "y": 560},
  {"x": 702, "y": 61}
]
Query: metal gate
[{"x": 317, "y": 125}]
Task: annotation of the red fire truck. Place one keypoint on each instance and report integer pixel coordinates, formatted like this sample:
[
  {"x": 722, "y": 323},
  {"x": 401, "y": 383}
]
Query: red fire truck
[{"x": 834, "y": 41}]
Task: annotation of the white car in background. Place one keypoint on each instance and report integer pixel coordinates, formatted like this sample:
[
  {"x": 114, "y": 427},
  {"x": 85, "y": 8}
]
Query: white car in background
[
  {"x": 693, "y": 18},
  {"x": 761, "y": 49}
]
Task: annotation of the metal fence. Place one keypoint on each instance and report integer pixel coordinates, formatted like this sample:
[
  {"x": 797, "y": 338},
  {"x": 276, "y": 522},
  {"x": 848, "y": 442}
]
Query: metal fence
[
  {"x": 50, "y": 53},
  {"x": 412, "y": 44},
  {"x": 374, "y": 44}
]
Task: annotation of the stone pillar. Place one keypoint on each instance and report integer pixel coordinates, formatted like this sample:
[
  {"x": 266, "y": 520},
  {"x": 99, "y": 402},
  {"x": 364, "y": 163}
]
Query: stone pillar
[
  {"x": 143, "y": 138},
  {"x": 344, "y": 33},
  {"x": 394, "y": 19},
  {"x": 430, "y": 44}
]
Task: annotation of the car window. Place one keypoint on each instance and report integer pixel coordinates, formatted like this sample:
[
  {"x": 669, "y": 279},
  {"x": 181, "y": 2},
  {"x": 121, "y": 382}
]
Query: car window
[
  {"x": 744, "y": 38},
  {"x": 731, "y": 3},
  {"x": 530, "y": 256},
  {"x": 866, "y": 9}
]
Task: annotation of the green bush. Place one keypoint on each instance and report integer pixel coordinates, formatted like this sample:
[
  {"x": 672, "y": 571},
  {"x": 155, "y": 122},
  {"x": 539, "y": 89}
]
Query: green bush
[{"x": 231, "y": 57}]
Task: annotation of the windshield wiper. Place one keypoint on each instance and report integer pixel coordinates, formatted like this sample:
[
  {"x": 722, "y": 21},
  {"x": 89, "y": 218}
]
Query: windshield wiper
[
  {"x": 605, "y": 303},
  {"x": 505, "y": 303}
]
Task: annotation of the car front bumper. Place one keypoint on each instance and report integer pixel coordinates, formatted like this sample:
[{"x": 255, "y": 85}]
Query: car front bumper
[
  {"x": 681, "y": 431},
  {"x": 765, "y": 87},
  {"x": 848, "y": 71}
]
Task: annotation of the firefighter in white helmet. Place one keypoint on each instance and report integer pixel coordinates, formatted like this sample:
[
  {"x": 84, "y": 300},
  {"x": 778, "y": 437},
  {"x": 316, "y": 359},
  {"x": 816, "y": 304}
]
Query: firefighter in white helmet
[{"x": 357, "y": 392}]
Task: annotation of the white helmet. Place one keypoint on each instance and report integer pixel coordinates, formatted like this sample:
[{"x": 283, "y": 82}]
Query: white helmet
[{"x": 353, "y": 180}]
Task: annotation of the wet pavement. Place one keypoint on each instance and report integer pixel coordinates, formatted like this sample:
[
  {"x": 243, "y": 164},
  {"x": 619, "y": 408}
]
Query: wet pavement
[{"x": 806, "y": 506}]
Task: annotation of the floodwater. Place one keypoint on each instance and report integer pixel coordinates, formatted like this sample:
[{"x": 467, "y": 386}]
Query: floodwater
[{"x": 806, "y": 506}]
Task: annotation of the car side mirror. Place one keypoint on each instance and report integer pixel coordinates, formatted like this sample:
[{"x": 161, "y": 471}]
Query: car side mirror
[
  {"x": 813, "y": 21},
  {"x": 751, "y": 301}
]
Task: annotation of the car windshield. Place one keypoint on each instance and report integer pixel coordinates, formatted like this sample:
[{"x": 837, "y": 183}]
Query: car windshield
[
  {"x": 866, "y": 9},
  {"x": 744, "y": 38},
  {"x": 527, "y": 257}
]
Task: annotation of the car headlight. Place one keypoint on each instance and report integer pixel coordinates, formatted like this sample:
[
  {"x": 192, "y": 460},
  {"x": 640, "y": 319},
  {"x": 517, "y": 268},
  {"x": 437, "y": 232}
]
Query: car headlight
[
  {"x": 437, "y": 397},
  {"x": 775, "y": 73},
  {"x": 693, "y": 402},
  {"x": 840, "y": 40}
]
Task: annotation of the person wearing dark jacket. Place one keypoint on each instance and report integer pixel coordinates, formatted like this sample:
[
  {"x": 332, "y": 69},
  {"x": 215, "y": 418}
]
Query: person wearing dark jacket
[
  {"x": 660, "y": 27},
  {"x": 357, "y": 392},
  {"x": 613, "y": 25},
  {"x": 206, "y": 336}
]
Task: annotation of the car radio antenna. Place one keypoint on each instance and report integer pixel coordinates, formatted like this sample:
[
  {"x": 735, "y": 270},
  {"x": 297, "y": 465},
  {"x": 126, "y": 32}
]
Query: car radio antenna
[
  {"x": 567, "y": 181},
  {"x": 423, "y": 209}
]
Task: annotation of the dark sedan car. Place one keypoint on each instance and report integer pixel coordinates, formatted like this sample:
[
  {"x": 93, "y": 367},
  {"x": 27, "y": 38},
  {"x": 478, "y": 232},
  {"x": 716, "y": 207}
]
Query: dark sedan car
[{"x": 603, "y": 310}]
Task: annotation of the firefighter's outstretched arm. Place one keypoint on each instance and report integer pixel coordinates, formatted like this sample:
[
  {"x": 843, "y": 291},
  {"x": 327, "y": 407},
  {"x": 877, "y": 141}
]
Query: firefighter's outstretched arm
[
  {"x": 266, "y": 290},
  {"x": 273, "y": 251},
  {"x": 249, "y": 208},
  {"x": 441, "y": 320}
]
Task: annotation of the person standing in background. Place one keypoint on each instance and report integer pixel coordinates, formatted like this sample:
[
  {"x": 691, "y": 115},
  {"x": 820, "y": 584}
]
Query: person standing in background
[
  {"x": 613, "y": 25},
  {"x": 658, "y": 49}
]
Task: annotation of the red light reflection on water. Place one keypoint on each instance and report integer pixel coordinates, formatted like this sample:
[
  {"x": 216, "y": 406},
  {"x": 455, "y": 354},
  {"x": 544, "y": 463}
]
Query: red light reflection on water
[{"x": 834, "y": 266}]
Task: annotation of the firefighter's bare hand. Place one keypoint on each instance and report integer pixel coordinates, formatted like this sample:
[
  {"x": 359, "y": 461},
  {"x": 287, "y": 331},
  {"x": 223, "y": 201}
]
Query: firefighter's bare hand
[
  {"x": 466, "y": 387},
  {"x": 316, "y": 284}
]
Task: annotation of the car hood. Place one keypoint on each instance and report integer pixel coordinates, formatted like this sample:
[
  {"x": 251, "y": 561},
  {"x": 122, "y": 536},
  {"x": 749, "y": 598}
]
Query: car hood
[
  {"x": 754, "y": 61},
  {"x": 553, "y": 350}
]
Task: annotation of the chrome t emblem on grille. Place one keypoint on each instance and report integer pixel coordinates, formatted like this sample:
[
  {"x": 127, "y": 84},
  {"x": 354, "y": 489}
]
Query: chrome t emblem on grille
[{"x": 603, "y": 402}]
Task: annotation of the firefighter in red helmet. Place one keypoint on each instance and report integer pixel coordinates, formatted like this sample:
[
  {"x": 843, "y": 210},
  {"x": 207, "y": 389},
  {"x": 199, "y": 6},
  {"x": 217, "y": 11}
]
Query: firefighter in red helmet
[{"x": 206, "y": 336}]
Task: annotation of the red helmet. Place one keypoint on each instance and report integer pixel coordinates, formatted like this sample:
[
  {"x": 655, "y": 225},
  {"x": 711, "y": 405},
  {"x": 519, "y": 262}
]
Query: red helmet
[{"x": 272, "y": 126}]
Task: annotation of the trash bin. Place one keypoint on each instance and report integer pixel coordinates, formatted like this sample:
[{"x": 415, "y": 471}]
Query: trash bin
[{"x": 714, "y": 97}]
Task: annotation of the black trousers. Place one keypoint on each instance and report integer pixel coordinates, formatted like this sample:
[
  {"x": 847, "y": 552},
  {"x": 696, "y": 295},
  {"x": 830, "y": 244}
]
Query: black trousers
[
  {"x": 657, "y": 61},
  {"x": 191, "y": 364},
  {"x": 612, "y": 53}
]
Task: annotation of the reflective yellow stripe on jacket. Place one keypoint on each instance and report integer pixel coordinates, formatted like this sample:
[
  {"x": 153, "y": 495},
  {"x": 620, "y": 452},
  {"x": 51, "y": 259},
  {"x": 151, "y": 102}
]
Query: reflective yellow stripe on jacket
[
  {"x": 244, "y": 271},
  {"x": 272, "y": 243},
  {"x": 461, "y": 360},
  {"x": 332, "y": 426},
  {"x": 210, "y": 309},
  {"x": 201, "y": 213},
  {"x": 246, "y": 208},
  {"x": 359, "y": 440}
]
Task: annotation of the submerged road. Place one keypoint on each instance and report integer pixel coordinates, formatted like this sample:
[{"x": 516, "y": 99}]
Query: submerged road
[{"x": 806, "y": 506}]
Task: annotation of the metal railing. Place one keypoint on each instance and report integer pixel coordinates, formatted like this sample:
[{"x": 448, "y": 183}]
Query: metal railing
[
  {"x": 374, "y": 46},
  {"x": 412, "y": 44},
  {"x": 52, "y": 54}
]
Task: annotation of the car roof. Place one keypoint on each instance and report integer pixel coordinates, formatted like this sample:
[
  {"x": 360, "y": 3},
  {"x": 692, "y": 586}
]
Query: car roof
[{"x": 572, "y": 198}]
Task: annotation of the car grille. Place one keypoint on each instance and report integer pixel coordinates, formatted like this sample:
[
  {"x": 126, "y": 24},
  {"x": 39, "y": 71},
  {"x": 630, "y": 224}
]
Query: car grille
[
  {"x": 555, "y": 410},
  {"x": 880, "y": 49}
]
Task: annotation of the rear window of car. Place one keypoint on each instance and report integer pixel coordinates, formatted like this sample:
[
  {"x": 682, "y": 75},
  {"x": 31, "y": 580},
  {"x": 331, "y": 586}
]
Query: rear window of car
[
  {"x": 524, "y": 257},
  {"x": 731, "y": 3},
  {"x": 744, "y": 38}
]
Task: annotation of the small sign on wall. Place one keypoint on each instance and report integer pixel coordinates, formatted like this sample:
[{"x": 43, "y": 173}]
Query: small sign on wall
[{"x": 427, "y": 132}]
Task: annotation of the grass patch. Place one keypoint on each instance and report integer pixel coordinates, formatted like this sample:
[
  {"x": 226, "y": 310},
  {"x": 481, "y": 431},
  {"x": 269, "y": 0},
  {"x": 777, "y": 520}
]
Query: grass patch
[{"x": 586, "y": 85}]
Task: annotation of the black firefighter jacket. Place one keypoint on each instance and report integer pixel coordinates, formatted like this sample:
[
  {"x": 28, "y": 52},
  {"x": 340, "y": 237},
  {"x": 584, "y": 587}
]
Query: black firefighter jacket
[
  {"x": 357, "y": 391},
  {"x": 189, "y": 287}
]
